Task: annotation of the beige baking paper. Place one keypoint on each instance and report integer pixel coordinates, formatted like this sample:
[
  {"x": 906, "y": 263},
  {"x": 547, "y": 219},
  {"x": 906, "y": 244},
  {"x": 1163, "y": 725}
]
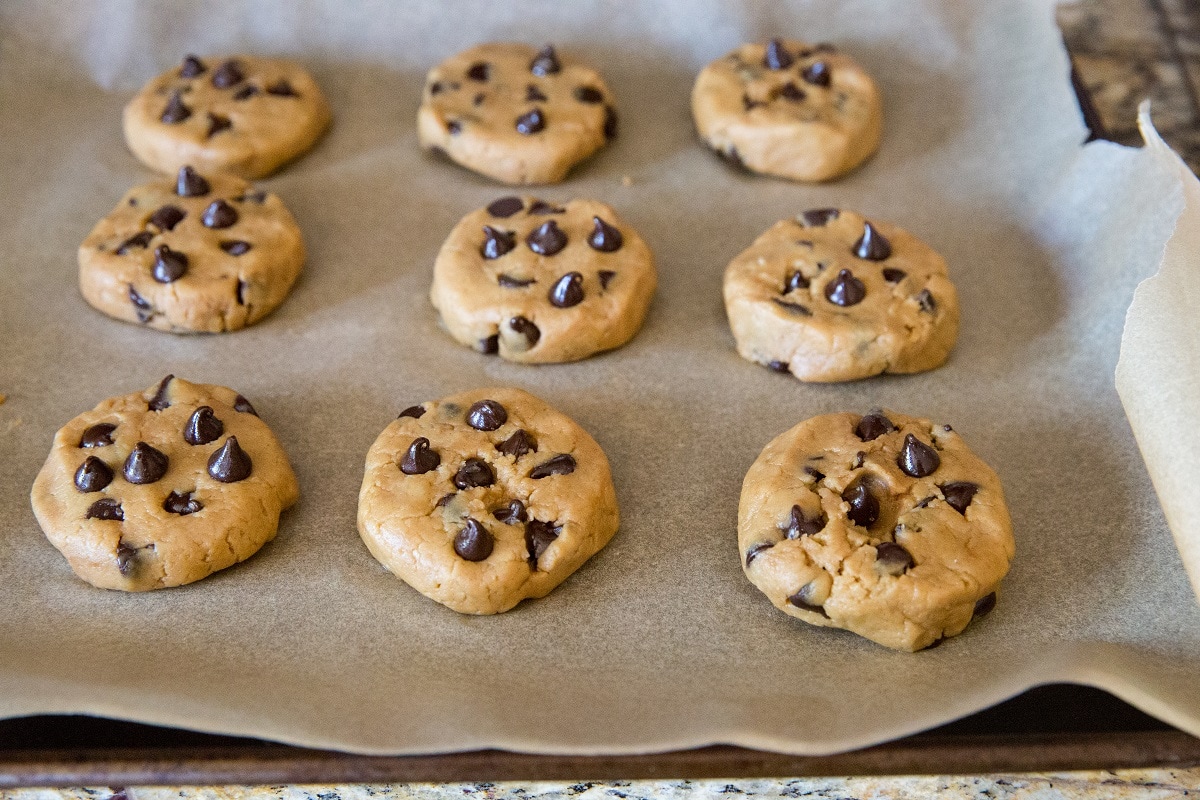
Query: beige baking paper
[{"x": 659, "y": 642}]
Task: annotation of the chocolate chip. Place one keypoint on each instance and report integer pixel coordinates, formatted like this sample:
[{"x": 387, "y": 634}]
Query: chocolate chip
[
  {"x": 567, "y": 291},
  {"x": 175, "y": 111},
  {"x": 226, "y": 75},
  {"x": 542, "y": 207},
  {"x": 486, "y": 415},
  {"x": 605, "y": 237},
  {"x": 817, "y": 73},
  {"x": 240, "y": 292},
  {"x": 105, "y": 508},
  {"x": 191, "y": 67},
  {"x": 478, "y": 99},
  {"x": 518, "y": 444},
  {"x": 563, "y": 464},
  {"x": 926, "y": 302},
  {"x": 864, "y": 506},
  {"x": 141, "y": 240},
  {"x": 189, "y": 183},
  {"x": 242, "y": 406},
  {"x": 525, "y": 328},
  {"x": 474, "y": 543},
  {"x": 454, "y": 127},
  {"x": 166, "y": 218},
  {"x": 246, "y": 92},
  {"x": 538, "y": 537},
  {"x": 610, "y": 123},
  {"x": 872, "y": 426},
  {"x": 795, "y": 308},
  {"x": 445, "y": 499},
  {"x": 545, "y": 62},
  {"x": 93, "y": 475},
  {"x": 489, "y": 346},
  {"x": 547, "y": 239},
  {"x": 804, "y": 598},
  {"x": 182, "y": 503},
  {"x": 917, "y": 458},
  {"x": 530, "y": 122},
  {"x": 98, "y": 435},
  {"x": 588, "y": 94},
  {"x": 756, "y": 550},
  {"x": 750, "y": 105},
  {"x": 217, "y": 123},
  {"x": 475, "y": 472},
  {"x": 922, "y": 503},
  {"x": 420, "y": 458},
  {"x": 791, "y": 91},
  {"x": 219, "y": 214},
  {"x": 534, "y": 95},
  {"x": 818, "y": 217},
  {"x": 511, "y": 514},
  {"x": 816, "y": 474},
  {"x": 984, "y": 605},
  {"x": 145, "y": 464},
  {"x": 230, "y": 463},
  {"x": 496, "y": 242},
  {"x": 437, "y": 87},
  {"x": 282, "y": 88},
  {"x": 509, "y": 282},
  {"x": 605, "y": 276},
  {"x": 252, "y": 197},
  {"x": 126, "y": 558},
  {"x": 479, "y": 71},
  {"x": 959, "y": 495},
  {"x": 235, "y": 247},
  {"x": 892, "y": 275},
  {"x": 141, "y": 305},
  {"x": 795, "y": 282},
  {"x": 506, "y": 207},
  {"x": 169, "y": 265},
  {"x": 416, "y": 412},
  {"x": 845, "y": 289},
  {"x": 872, "y": 245},
  {"x": 892, "y": 559},
  {"x": 202, "y": 427},
  {"x": 779, "y": 366},
  {"x": 777, "y": 57},
  {"x": 799, "y": 525},
  {"x": 858, "y": 460},
  {"x": 160, "y": 399}
]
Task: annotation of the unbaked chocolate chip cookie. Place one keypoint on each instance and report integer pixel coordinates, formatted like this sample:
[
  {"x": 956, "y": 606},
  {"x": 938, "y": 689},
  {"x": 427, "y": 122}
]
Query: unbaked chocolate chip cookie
[
  {"x": 485, "y": 498},
  {"x": 883, "y": 524},
  {"x": 516, "y": 114},
  {"x": 832, "y": 296},
  {"x": 803, "y": 112},
  {"x": 542, "y": 283},
  {"x": 243, "y": 115},
  {"x": 163, "y": 487},
  {"x": 197, "y": 253}
]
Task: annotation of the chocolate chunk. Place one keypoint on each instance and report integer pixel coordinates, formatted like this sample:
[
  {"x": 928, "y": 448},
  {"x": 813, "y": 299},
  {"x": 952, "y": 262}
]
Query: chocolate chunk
[
  {"x": 563, "y": 464},
  {"x": 588, "y": 94},
  {"x": 795, "y": 282},
  {"x": 804, "y": 598},
  {"x": 474, "y": 543},
  {"x": 917, "y": 458},
  {"x": 756, "y": 550},
  {"x": 160, "y": 399},
  {"x": 175, "y": 111},
  {"x": 242, "y": 406},
  {"x": 605, "y": 276},
  {"x": 984, "y": 605},
  {"x": 219, "y": 214},
  {"x": 98, "y": 435},
  {"x": 872, "y": 245},
  {"x": 141, "y": 240},
  {"x": 547, "y": 239},
  {"x": 959, "y": 494},
  {"x": 926, "y": 302},
  {"x": 506, "y": 207},
  {"x": 777, "y": 57},
  {"x": 542, "y": 207},
  {"x": 778, "y": 366},
  {"x": 167, "y": 217},
  {"x": 420, "y": 458},
  {"x": 610, "y": 123},
  {"x": 126, "y": 558},
  {"x": 246, "y": 92},
  {"x": 496, "y": 242},
  {"x": 475, "y": 472},
  {"x": 454, "y": 127},
  {"x": 105, "y": 508},
  {"x": 145, "y": 464},
  {"x": 892, "y": 559},
  {"x": 226, "y": 75},
  {"x": 141, "y": 305},
  {"x": 526, "y": 328},
  {"x": 509, "y": 282},
  {"x": 567, "y": 291},
  {"x": 864, "y": 506},
  {"x": 230, "y": 463},
  {"x": 93, "y": 475},
  {"x": 605, "y": 237},
  {"x": 518, "y": 444},
  {"x": 479, "y": 71},
  {"x": 282, "y": 88},
  {"x": 486, "y": 415},
  {"x": 539, "y": 536},
  {"x": 189, "y": 183},
  {"x": 872, "y": 426},
  {"x": 894, "y": 275},
  {"x": 799, "y": 525},
  {"x": 534, "y": 95},
  {"x": 795, "y": 308},
  {"x": 819, "y": 217},
  {"x": 202, "y": 427},
  {"x": 545, "y": 62},
  {"x": 530, "y": 122},
  {"x": 416, "y": 412},
  {"x": 791, "y": 91},
  {"x": 182, "y": 503},
  {"x": 817, "y": 73},
  {"x": 169, "y": 265},
  {"x": 489, "y": 346},
  {"x": 217, "y": 123},
  {"x": 235, "y": 247},
  {"x": 191, "y": 67},
  {"x": 845, "y": 289},
  {"x": 511, "y": 514}
]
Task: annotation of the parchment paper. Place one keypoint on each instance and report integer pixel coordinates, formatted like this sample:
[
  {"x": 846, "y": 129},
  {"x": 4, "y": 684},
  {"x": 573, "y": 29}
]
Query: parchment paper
[{"x": 659, "y": 642}]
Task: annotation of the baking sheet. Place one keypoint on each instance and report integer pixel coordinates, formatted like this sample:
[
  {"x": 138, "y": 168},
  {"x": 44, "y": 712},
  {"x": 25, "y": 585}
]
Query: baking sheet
[{"x": 659, "y": 642}]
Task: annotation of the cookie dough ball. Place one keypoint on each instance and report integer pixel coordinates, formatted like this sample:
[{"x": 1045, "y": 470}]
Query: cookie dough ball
[
  {"x": 243, "y": 115},
  {"x": 163, "y": 487},
  {"x": 485, "y": 498},
  {"x": 832, "y": 296},
  {"x": 543, "y": 283},
  {"x": 516, "y": 114},
  {"x": 193, "y": 254},
  {"x": 883, "y": 524},
  {"x": 803, "y": 112}
]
